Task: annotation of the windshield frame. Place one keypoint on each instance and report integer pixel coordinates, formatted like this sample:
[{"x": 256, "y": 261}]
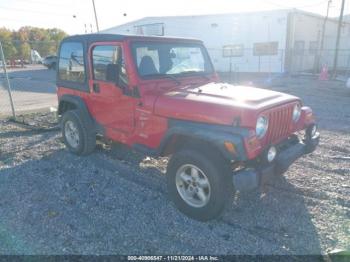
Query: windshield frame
[{"x": 206, "y": 57}]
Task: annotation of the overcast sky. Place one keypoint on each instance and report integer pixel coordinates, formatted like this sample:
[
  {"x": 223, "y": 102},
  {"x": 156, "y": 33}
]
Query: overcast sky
[{"x": 71, "y": 15}]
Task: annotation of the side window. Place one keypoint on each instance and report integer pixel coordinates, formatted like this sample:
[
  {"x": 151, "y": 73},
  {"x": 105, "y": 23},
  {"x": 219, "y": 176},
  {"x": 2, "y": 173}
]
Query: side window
[
  {"x": 71, "y": 64},
  {"x": 106, "y": 58}
]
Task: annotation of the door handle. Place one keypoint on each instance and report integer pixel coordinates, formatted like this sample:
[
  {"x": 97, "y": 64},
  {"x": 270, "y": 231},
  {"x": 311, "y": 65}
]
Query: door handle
[{"x": 96, "y": 87}]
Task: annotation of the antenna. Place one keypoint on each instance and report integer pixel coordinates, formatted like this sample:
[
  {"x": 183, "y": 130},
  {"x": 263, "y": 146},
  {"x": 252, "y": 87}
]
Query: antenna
[{"x": 93, "y": 3}]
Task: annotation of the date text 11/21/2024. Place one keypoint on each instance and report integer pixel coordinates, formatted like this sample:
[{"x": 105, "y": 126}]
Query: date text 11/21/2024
[{"x": 173, "y": 258}]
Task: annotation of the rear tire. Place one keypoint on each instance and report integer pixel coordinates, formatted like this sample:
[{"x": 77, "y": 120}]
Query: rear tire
[
  {"x": 214, "y": 180},
  {"x": 77, "y": 133}
]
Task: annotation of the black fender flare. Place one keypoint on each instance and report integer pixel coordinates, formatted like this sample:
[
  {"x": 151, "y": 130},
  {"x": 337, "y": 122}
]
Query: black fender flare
[
  {"x": 215, "y": 135},
  {"x": 77, "y": 101}
]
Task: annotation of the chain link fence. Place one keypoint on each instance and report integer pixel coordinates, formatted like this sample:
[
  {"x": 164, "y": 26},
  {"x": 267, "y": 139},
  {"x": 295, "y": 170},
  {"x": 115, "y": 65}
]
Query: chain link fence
[
  {"x": 314, "y": 60},
  {"x": 27, "y": 86},
  {"x": 246, "y": 61},
  {"x": 6, "y": 105},
  {"x": 279, "y": 61}
]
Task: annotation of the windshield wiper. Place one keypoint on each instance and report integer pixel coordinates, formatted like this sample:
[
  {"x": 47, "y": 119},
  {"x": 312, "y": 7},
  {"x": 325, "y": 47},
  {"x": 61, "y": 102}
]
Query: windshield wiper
[
  {"x": 165, "y": 76},
  {"x": 197, "y": 73}
]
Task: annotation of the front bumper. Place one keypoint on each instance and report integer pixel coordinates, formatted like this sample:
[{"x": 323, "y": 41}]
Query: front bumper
[{"x": 288, "y": 152}]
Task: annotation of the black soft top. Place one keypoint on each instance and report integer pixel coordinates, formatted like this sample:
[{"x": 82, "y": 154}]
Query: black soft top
[{"x": 90, "y": 38}]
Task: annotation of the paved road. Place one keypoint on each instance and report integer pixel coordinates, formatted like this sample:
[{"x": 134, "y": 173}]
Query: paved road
[{"x": 33, "y": 89}]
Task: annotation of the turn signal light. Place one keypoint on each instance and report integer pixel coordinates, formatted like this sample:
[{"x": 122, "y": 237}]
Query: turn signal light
[{"x": 230, "y": 147}]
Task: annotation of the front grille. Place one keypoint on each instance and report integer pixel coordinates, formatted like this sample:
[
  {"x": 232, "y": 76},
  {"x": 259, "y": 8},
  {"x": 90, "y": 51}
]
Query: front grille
[{"x": 280, "y": 120}]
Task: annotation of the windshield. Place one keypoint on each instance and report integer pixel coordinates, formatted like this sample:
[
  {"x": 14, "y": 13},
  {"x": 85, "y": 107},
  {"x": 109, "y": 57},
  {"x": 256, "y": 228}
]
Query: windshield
[{"x": 156, "y": 59}]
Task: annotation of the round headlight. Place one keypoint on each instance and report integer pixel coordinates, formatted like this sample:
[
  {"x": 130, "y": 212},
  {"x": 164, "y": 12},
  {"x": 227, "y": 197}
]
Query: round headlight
[
  {"x": 261, "y": 126},
  {"x": 296, "y": 112}
]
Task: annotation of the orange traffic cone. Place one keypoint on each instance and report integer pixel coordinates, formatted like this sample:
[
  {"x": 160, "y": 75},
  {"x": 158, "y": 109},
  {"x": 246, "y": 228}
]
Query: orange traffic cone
[{"x": 324, "y": 76}]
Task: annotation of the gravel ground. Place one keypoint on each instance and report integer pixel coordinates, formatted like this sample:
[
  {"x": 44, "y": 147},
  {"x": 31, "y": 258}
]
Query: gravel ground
[{"x": 114, "y": 201}]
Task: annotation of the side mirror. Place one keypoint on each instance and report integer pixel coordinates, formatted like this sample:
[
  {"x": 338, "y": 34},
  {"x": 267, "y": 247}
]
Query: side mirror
[{"x": 112, "y": 73}]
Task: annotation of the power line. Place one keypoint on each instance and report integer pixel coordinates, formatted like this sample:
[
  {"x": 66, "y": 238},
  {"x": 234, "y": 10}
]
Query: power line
[
  {"x": 17, "y": 20},
  {"x": 312, "y": 5},
  {"x": 49, "y": 4},
  {"x": 32, "y": 11},
  {"x": 40, "y": 2},
  {"x": 298, "y": 7},
  {"x": 34, "y": 41}
]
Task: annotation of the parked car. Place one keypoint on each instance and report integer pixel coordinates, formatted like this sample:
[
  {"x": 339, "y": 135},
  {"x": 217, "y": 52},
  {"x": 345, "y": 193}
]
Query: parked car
[
  {"x": 50, "y": 61},
  {"x": 161, "y": 96}
]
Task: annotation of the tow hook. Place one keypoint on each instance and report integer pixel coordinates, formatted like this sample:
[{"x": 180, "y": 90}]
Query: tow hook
[
  {"x": 312, "y": 138},
  {"x": 245, "y": 180}
]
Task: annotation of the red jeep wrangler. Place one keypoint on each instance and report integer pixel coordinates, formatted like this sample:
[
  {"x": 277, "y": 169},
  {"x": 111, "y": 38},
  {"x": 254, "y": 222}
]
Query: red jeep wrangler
[{"x": 162, "y": 96}]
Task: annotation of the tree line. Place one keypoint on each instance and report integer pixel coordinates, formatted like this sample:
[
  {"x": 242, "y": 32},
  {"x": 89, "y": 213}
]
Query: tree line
[{"x": 18, "y": 44}]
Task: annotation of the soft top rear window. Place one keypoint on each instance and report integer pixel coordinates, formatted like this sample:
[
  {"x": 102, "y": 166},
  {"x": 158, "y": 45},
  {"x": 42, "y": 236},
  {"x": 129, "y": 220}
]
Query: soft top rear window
[{"x": 71, "y": 65}]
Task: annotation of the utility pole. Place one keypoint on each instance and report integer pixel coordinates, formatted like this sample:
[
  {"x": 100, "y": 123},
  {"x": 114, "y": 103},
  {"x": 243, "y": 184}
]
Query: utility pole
[
  {"x": 93, "y": 3},
  {"x": 323, "y": 34},
  {"x": 340, "y": 22}
]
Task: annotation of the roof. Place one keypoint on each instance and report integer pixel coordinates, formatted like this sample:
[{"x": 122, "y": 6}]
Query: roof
[
  {"x": 290, "y": 10},
  {"x": 197, "y": 16},
  {"x": 90, "y": 38},
  {"x": 95, "y": 37}
]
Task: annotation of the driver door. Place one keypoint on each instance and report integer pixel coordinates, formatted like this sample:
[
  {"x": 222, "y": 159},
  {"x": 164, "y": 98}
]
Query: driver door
[{"x": 109, "y": 105}]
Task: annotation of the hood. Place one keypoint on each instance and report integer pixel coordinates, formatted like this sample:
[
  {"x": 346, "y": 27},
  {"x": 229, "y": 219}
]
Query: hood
[{"x": 219, "y": 103}]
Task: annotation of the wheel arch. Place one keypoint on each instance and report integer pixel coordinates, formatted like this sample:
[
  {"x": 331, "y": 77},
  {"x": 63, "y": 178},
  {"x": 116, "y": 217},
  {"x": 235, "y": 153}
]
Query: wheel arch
[
  {"x": 70, "y": 102},
  {"x": 212, "y": 137},
  {"x": 178, "y": 141}
]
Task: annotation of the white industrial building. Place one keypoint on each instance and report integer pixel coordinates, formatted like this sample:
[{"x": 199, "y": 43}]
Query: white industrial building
[{"x": 271, "y": 41}]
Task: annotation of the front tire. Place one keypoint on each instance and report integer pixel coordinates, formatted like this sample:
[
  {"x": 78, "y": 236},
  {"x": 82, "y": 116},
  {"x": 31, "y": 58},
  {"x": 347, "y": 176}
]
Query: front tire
[
  {"x": 77, "y": 134},
  {"x": 198, "y": 184}
]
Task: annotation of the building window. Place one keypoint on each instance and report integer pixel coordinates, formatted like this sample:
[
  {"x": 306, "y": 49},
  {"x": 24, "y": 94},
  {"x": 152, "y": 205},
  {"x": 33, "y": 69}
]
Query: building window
[
  {"x": 299, "y": 47},
  {"x": 71, "y": 62},
  {"x": 313, "y": 46},
  {"x": 265, "y": 49},
  {"x": 232, "y": 50},
  {"x": 150, "y": 29}
]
